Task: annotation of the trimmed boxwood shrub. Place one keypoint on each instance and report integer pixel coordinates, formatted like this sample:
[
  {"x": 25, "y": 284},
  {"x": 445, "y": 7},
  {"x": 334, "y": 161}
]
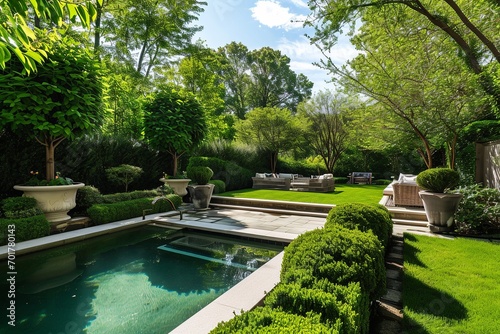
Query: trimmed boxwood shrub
[
  {"x": 199, "y": 174},
  {"x": 19, "y": 207},
  {"x": 344, "y": 307},
  {"x": 26, "y": 228},
  {"x": 120, "y": 197},
  {"x": 107, "y": 213},
  {"x": 268, "y": 320},
  {"x": 338, "y": 255},
  {"x": 364, "y": 217},
  {"x": 220, "y": 186},
  {"x": 438, "y": 179}
]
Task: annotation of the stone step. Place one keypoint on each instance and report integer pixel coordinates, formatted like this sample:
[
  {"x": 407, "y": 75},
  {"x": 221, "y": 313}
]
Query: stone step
[{"x": 409, "y": 222}]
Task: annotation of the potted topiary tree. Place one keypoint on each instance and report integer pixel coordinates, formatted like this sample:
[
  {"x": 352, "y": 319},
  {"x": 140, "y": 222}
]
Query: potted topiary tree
[
  {"x": 201, "y": 191},
  {"x": 439, "y": 204},
  {"x": 174, "y": 122},
  {"x": 60, "y": 101}
]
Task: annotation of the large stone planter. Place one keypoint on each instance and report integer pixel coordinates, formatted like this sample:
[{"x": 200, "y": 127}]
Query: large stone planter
[
  {"x": 201, "y": 195},
  {"x": 54, "y": 201},
  {"x": 179, "y": 185},
  {"x": 440, "y": 209}
]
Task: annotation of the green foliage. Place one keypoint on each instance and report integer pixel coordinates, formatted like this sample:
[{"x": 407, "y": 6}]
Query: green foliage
[
  {"x": 220, "y": 186},
  {"x": 174, "y": 122},
  {"x": 341, "y": 179},
  {"x": 18, "y": 203},
  {"x": 120, "y": 197},
  {"x": 344, "y": 307},
  {"x": 87, "y": 196},
  {"x": 479, "y": 210},
  {"x": 234, "y": 176},
  {"x": 267, "y": 320},
  {"x": 301, "y": 167},
  {"x": 25, "y": 228},
  {"x": 18, "y": 33},
  {"x": 123, "y": 174},
  {"x": 340, "y": 256},
  {"x": 438, "y": 179},
  {"x": 364, "y": 217},
  {"x": 107, "y": 213},
  {"x": 199, "y": 174}
]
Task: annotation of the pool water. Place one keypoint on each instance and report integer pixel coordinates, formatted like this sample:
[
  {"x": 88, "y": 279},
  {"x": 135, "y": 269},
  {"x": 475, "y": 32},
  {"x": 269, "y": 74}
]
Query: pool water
[{"x": 145, "y": 280}]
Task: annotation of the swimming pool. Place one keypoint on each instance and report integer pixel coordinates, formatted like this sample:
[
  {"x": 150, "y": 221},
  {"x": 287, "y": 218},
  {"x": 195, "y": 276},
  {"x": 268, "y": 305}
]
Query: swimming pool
[{"x": 144, "y": 280}]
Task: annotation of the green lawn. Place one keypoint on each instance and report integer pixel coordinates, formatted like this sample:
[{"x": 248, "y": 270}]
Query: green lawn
[
  {"x": 344, "y": 193},
  {"x": 451, "y": 286}
]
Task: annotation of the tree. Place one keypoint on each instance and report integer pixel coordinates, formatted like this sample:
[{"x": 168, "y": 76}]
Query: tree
[
  {"x": 62, "y": 100},
  {"x": 234, "y": 71},
  {"x": 273, "y": 130},
  {"x": 123, "y": 174},
  {"x": 417, "y": 83},
  {"x": 273, "y": 83},
  {"x": 146, "y": 33},
  {"x": 174, "y": 122},
  {"x": 474, "y": 33},
  {"x": 327, "y": 133},
  {"x": 18, "y": 36}
]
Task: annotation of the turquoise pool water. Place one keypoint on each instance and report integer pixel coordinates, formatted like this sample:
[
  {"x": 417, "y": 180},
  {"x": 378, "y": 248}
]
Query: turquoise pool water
[{"x": 145, "y": 280}]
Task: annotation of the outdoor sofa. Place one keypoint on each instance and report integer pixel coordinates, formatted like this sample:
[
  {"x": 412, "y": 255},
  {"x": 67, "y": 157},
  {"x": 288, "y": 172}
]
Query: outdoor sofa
[
  {"x": 405, "y": 191},
  {"x": 323, "y": 183}
]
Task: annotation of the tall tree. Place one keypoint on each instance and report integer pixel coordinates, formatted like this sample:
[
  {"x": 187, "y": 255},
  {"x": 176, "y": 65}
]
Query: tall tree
[
  {"x": 234, "y": 71},
  {"x": 328, "y": 131},
  {"x": 146, "y": 33},
  {"x": 416, "y": 81},
  {"x": 273, "y": 83},
  {"x": 273, "y": 130}
]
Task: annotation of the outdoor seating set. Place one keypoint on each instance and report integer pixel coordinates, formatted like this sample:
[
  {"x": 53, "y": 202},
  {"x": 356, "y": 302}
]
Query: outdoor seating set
[
  {"x": 360, "y": 178},
  {"x": 286, "y": 181},
  {"x": 404, "y": 191}
]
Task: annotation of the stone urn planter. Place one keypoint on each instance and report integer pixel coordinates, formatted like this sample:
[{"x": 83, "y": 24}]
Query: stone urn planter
[
  {"x": 201, "y": 195},
  {"x": 440, "y": 209},
  {"x": 178, "y": 185},
  {"x": 54, "y": 201}
]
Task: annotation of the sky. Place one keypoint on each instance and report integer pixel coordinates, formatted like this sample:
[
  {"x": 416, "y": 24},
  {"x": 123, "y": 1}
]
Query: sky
[{"x": 270, "y": 23}]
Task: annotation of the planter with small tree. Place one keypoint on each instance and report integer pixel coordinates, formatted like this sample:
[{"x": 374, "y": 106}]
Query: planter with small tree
[
  {"x": 174, "y": 122},
  {"x": 201, "y": 191},
  {"x": 62, "y": 100},
  {"x": 439, "y": 204}
]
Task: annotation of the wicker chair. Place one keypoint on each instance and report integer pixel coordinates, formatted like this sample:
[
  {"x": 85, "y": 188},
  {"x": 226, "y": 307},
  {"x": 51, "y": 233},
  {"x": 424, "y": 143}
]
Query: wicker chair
[{"x": 406, "y": 194}]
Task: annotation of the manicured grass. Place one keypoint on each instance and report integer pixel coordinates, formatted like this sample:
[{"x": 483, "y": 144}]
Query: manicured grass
[
  {"x": 451, "y": 286},
  {"x": 344, "y": 193}
]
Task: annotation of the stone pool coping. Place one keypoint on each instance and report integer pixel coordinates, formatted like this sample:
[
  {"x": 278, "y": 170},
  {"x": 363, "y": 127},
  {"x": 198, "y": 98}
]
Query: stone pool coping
[{"x": 242, "y": 297}]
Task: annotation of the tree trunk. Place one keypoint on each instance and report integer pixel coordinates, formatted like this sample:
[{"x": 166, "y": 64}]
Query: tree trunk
[{"x": 50, "y": 169}]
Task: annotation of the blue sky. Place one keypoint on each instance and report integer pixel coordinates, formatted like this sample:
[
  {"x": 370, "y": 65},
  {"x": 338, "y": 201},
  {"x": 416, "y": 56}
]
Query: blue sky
[{"x": 269, "y": 23}]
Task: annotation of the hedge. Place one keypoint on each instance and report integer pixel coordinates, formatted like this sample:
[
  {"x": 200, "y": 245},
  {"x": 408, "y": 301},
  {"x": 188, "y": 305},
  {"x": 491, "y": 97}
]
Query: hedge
[
  {"x": 220, "y": 186},
  {"x": 106, "y": 213},
  {"x": 363, "y": 217},
  {"x": 25, "y": 228},
  {"x": 345, "y": 307},
  {"x": 340, "y": 256},
  {"x": 268, "y": 320}
]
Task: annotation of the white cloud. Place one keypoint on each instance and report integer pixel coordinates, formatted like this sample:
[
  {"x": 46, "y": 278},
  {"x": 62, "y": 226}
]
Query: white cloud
[
  {"x": 300, "y": 3},
  {"x": 273, "y": 15}
]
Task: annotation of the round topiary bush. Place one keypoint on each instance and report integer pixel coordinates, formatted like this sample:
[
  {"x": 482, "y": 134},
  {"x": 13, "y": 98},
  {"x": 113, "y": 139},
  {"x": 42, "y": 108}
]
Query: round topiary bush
[
  {"x": 338, "y": 256},
  {"x": 220, "y": 186},
  {"x": 363, "y": 217},
  {"x": 199, "y": 175},
  {"x": 438, "y": 179}
]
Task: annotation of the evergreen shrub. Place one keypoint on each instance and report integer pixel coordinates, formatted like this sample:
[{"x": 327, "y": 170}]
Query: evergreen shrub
[
  {"x": 268, "y": 320},
  {"x": 199, "y": 174},
  {"x": 220, "y": 186},
  {"x": 364, "y": 217},
  {"x": 438, "y": 179},
  {"x": 234, "y": 176},
  {"x": 25, "y": 228},
  {"x": 344, "y": 307},
  {"x": 337, "y": 255},
  {"x": 107, "y": 213},
  {"x": 479, "y": 210},
  {"x": 120, "y": 197}
]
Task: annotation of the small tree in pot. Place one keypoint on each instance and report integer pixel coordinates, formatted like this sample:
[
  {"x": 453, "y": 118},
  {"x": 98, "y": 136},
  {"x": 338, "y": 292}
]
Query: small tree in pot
[
  {"x": 201, "y": 191},
  {"x": 62, "y": 100},
  {"x": 440, "y": 205}
]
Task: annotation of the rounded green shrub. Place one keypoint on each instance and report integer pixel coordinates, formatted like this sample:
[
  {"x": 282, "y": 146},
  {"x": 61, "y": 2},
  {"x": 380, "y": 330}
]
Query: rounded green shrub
[
  {"x": 340, "y": 256},
  {"x": 199, "y": 174},
  {"x": 364, "y": 217},
  {"x": 344, "y": 306},
  {"x": 25, "y": 228},
  {"x": 86, "y": 197},
  {"x": 18, "y": 203},
  {"x": 438, "y": 179},
  {"x": 268, "y": 320},
  {"x": 220, "y": 186}
]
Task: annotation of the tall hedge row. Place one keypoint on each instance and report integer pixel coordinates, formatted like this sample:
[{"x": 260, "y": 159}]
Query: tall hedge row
[{"x": 328, "y": 277}]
